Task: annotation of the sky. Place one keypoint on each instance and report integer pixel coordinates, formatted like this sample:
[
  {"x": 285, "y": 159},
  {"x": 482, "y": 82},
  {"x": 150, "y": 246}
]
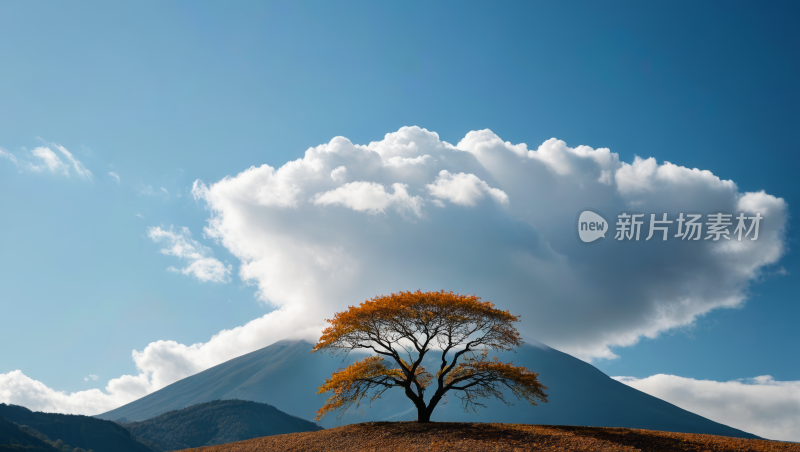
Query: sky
[{"x": 185, "y": 182}]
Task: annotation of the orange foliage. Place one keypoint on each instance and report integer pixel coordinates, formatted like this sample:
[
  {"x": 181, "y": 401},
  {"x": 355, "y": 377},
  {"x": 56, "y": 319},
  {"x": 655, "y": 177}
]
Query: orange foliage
[
  {"x": 352, "y": 384},
  {"x": 402, "y": 328},
  {"x": 409, "y": 314},
  {"x": 489, "y": 377}
]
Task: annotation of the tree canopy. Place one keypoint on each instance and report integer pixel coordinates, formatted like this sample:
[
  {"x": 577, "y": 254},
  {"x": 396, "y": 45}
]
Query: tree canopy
[{"x": 402, "y": 328}]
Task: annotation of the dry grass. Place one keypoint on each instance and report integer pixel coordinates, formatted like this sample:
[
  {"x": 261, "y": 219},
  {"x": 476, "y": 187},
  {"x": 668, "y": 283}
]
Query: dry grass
[{"x": 449, "y": 436}]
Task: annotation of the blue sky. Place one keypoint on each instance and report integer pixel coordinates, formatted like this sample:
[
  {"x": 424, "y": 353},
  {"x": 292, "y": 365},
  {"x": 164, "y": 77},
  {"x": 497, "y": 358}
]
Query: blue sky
[{"x": 164, "y": 94}]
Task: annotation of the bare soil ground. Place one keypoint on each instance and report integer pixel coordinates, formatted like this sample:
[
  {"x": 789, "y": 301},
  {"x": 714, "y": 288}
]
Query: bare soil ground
[{"x": 449, "y": 436}]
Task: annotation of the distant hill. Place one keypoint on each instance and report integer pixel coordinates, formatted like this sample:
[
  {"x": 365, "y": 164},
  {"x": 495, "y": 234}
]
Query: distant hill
[
  {"x": 83, "y": 432},
  {"x": 471, "y": 437},
  {"x": 217, "y": 422},
  {"x": 14, "y": 439},
  {"x": 286, "y": 375}
]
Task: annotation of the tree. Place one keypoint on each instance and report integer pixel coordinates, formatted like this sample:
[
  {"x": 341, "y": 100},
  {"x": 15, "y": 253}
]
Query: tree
[{"x": 401, "y": 329}]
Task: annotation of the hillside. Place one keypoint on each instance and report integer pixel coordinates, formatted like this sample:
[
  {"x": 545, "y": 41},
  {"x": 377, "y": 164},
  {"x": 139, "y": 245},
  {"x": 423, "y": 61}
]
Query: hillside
[
  {"x": 84, "y": 432},
  {"x": 470, "y": 437},
  {"x": 286, "y": 375},
  {"x": 14, "y": 439},
  {"x": 217, "y": 422}
]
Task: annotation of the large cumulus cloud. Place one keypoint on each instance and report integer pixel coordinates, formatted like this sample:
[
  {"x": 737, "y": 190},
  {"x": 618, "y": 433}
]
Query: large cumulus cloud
[{"x": 348, "y": 221}]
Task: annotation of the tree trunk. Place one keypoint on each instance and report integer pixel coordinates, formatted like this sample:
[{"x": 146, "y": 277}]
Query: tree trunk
[{"x": 423, "y": 415}]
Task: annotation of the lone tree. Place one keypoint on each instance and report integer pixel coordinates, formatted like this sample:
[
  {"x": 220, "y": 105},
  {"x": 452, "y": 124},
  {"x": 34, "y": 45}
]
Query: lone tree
[{"x": 402, "y": 328}]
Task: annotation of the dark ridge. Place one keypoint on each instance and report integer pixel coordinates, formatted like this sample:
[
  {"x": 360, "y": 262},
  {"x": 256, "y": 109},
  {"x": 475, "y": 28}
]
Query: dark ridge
[
  {"x": 14, "y": 439},
  {"x": 216, "y": 422},
  {"x": 85, "y": 432}
]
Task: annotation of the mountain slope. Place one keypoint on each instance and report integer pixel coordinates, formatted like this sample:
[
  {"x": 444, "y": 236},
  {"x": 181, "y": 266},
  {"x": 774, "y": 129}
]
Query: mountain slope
[
  {"x": 78, "y": 431},
  {"x": 14, "y": 439},
  {"x": 286, "y": 375},
  {"x": 217, "y": 422}
]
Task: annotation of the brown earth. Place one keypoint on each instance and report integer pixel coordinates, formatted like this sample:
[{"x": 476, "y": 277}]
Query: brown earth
[{"x": 450, "y": 436}]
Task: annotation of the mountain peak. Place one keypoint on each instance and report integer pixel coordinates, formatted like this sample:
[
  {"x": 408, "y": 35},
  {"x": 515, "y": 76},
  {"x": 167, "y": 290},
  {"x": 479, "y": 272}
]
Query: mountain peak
[{"x": 287, "y": 376}]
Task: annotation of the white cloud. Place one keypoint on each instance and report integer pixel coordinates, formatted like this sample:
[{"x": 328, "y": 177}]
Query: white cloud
[
  {"x": 93, "y": 377},
  {"x": 165, "y": 191},
  {"x": 5, "y": 154},
  {"x": 339, "y": 174},
  {"x": 115, "y": 176},
  {"x": 44, "y": 159},
  {"x": 180, "y": 244},
  {"x": 370, "y": 197},
  {"x": 48, "y": 161},
  {"x": 77, "y": 166},
  {"x": 761, "y": 405},
  {"x": 524, "y": 257},
  {"x": 19, "y": 389},
  {"x": 139, "y": 215},
  {"x": 313, "y": 244},
  {"x": 398, "y": 161},
  {"x": 464, "y": 189}
]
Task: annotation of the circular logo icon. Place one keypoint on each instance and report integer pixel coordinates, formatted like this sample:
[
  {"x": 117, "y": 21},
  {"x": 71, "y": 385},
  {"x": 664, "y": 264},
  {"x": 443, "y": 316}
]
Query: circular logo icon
[{"x": 591, "y": 226}]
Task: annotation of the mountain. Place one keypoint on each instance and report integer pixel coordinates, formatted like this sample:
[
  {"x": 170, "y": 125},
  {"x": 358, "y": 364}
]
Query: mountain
[
  {"x": 14, "y": 439},
  {"x": 83, "y": 432},
  {"x": 217, "y": 422},
  {"x": 286, "y": 375}
]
